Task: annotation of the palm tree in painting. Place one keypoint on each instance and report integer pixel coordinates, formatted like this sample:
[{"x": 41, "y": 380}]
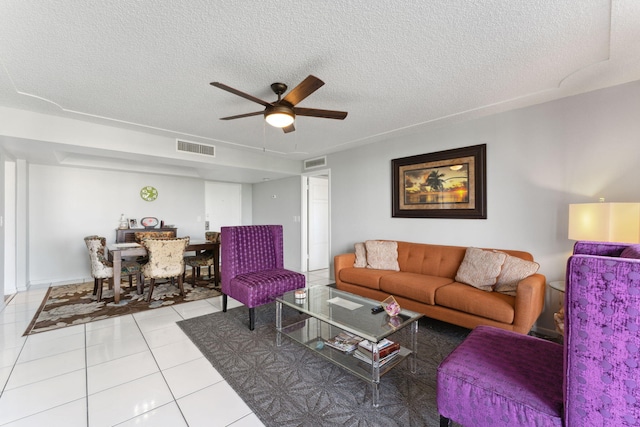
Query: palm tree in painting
[{"x": 434, "y": 181}]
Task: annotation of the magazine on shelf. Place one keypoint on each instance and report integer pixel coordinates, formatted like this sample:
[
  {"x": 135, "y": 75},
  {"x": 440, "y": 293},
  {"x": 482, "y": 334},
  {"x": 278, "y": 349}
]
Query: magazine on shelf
[
  {"x": 368, "y": 346},
  {"x": 367, "y": 357},
  {"x": 383, "y": 349},
  {"x": 344, "y": 341}
]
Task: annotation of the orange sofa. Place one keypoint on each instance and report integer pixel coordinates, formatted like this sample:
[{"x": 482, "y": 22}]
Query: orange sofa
[{"x": 426, "y": 284}]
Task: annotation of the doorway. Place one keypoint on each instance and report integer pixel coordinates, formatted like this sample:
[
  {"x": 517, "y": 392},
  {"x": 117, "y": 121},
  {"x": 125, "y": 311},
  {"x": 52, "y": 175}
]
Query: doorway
[
  {"x": 315, "y": 227},
  {"x": 223, "y": 205}
]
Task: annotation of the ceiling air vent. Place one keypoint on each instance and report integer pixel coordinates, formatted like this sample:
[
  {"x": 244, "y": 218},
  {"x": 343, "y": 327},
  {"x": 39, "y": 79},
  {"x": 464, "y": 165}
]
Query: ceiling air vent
[
  {"x": 315, "y": 163},
  {"x": 195, "y": 148}
]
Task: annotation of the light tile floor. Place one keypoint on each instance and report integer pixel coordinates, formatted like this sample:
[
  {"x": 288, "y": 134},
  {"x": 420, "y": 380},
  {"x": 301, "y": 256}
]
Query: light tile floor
[{"x": 131, "y": 370}]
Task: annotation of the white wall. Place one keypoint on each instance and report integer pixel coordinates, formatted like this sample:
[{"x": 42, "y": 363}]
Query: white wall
[
  {"x": 279, "y": 202},
  {"x": 21, "y": 226},
  {"x": 66, "y": 204},
  {"x": 3, "y": 214},
  {"x": 7, "y": 228},
  {"x": 539, "y": 159},
  {"x": 247, "y": 204},
  {"x": 59, "y": 206}
]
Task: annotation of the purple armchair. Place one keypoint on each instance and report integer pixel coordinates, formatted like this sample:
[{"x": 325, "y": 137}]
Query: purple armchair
[
  {"x": 252, "y": 269},
  {"x": 499, "y": 378}
]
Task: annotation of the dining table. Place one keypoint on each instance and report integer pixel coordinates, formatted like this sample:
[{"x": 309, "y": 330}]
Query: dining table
[{"x": 116, "y": 251}]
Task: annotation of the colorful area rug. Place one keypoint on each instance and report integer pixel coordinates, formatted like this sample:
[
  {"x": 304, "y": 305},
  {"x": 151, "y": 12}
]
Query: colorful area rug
[{"x": 69, "y": 305}]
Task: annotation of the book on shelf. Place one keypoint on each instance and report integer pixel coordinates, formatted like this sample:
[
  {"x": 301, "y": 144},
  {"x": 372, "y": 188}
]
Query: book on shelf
[
  {"x": 358, "y": 354},
  {"x": 385, "y": 347},
  {"x": 344, "y": 341}
]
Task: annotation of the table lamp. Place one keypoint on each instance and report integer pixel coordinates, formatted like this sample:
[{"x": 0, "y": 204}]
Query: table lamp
[
  {"x": 605, "y": 222},
  {"x": 600, "y": 222}
]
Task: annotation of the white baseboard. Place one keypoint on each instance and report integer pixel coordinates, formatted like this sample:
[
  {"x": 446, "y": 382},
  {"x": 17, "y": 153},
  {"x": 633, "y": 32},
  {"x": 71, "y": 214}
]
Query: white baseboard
[{"x": 45, "y": 284}]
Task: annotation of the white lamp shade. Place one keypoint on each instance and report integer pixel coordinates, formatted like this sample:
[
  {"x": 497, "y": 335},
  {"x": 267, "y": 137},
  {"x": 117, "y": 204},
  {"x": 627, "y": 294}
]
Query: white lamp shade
[{"x": 605, "y": 222}]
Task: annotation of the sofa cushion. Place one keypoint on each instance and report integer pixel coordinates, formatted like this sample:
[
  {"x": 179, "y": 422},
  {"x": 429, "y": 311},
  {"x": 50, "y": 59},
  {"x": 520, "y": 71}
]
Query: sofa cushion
[
  {"x": 513, "y": 271},
  {"x": 361, "y": 255},
  {"x": 382, "y": 255},
  {"x": 366, "y": 277},
  {"x": 418, "y": 287},
  {"x": 432, "y": 260},
  {"x": 494, "y": 305},
  {"x": 480, "y": 268},
  {"x": 438, "y": 260}
]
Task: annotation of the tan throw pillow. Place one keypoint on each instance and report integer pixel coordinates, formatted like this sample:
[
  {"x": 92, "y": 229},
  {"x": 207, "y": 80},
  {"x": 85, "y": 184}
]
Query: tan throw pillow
[
  {"x": 361, "y": 256},
  {"x": 513, "y": 271},
  {"x": 382, "y": 255},
  {"x": 480, "y": 268}
]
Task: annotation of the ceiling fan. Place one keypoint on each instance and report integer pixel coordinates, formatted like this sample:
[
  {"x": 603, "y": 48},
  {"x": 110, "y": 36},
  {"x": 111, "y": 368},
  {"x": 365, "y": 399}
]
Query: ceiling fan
[{"x": 283, "y": 112}]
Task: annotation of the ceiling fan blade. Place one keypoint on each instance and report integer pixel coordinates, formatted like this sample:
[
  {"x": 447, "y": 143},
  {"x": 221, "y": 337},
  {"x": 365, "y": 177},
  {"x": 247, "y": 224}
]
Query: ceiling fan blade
[
  {"x": 325, "y": 114},
  {"x": 289, "y": 128},
  {"x": 304, "y": 89},
  {"x": 239, "y": 116},
  {"x": 242, "y": 94}
]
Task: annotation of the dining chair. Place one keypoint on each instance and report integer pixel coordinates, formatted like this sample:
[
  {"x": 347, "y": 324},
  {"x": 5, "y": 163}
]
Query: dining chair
[
  {"x": 215, "y": 236},
  {"x": 142, "y": 235},
  {"x": 205, "y": 259},
  {"x": 102, "y": 268},
  {"x": 166, "y": 261}
]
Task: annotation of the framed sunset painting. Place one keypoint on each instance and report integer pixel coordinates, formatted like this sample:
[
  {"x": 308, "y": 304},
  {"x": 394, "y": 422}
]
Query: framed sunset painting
[{"x": 444, "y": 184}]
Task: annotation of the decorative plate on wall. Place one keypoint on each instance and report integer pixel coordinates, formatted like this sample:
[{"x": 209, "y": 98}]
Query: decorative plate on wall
[
  {"x": 149, "y": 193},
  {"x": 149, "y": 222}
]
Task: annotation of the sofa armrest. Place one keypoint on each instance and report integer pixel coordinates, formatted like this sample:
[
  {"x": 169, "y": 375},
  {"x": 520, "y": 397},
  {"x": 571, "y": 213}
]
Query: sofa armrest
[
  {"x": 529, "y": 302},
  {"x": 342, "y": 261}
]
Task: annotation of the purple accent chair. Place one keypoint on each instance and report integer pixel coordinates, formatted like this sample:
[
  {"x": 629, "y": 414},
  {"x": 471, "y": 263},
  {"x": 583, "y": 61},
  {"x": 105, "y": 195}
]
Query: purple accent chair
[
  {"x": 500, "y": 378},
  {"x": 252, "y": 268}
]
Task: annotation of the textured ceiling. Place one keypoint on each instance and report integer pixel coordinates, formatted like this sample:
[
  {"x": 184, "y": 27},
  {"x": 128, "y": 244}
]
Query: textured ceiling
[{"x": 146, "y": 65}]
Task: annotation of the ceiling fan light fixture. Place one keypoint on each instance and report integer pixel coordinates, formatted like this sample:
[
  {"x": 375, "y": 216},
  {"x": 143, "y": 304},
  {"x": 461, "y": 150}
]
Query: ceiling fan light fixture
[{"x": 279, "y": 116}]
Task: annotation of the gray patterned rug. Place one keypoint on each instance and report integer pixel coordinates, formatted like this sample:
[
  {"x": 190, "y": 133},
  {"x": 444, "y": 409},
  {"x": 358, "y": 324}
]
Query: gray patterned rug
[{"x": 292, "y": 386}]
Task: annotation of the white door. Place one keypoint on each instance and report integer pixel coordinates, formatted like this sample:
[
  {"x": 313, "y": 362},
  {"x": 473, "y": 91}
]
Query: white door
[
  {"x": 223, "y": 204},
  {"x": 318, "y": 223}
]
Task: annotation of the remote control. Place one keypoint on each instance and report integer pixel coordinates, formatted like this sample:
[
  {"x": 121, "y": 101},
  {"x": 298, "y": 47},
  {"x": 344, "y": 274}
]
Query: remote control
[{"x": 378, "y": 309}]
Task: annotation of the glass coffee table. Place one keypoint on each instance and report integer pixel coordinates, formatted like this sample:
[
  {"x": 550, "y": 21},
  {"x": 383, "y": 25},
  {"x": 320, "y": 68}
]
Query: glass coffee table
[{"x": 331, "y": 312}]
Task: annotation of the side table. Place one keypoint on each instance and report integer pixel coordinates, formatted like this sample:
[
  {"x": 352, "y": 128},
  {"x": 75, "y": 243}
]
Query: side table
[{"x": 558, "y": 317}]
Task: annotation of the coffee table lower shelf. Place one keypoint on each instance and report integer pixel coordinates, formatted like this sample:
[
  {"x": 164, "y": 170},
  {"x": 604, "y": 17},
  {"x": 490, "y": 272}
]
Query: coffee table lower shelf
[{"x": 313, "y": 332}]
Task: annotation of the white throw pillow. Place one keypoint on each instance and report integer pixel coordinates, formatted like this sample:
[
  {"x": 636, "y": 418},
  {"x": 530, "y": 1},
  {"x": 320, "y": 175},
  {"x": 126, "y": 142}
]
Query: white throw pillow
[
  {"x": 480, "y": 268},
  {"x": 382, "y": 255},
  {"x": 513, "y": 271},
  {"x": 361, "y": 255}
]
